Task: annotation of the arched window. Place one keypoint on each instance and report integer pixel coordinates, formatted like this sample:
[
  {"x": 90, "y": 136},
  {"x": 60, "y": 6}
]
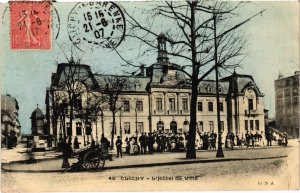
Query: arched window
[
  {"x": 173, "y": 127},
  {"x": 160, "y": 126}
]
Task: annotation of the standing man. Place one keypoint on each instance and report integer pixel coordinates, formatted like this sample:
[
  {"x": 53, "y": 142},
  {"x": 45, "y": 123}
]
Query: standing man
[
  {"x": 248, "y": 137},
  {"x": 119, "y": 146},
  {"x": 150, "y": 143},
  {"x": 142, "y": 143}
]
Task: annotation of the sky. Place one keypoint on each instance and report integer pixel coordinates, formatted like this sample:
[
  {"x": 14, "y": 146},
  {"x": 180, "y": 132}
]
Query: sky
[{"x": 272, "y": 48}]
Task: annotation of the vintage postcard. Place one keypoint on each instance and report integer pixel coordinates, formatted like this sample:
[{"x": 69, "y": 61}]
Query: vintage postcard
[{"x": 109, "y": 96}]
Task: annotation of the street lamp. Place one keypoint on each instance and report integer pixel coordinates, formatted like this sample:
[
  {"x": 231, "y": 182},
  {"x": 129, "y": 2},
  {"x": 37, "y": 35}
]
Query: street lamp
[
  {"x": 136, "y": 129},
  {"x": 220, "y": 150},
  {"x": 121, "y": 123}
]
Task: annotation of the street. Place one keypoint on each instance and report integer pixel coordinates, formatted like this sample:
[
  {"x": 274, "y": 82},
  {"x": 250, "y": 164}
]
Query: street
[{"x": 261, "y": 174}]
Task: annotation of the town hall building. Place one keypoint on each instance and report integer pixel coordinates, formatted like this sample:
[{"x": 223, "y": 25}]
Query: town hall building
[{"x": 155, "y": 99}]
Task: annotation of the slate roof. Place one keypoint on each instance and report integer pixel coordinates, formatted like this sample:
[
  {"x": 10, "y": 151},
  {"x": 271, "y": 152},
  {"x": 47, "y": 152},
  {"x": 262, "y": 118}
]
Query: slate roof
[{"x": 135, "y": 83}]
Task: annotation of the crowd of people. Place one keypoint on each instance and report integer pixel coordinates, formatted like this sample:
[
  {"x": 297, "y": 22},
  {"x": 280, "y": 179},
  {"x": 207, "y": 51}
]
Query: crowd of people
[
  {"x": 155, "y": 142},
  {"x": 148, "y": 143}
]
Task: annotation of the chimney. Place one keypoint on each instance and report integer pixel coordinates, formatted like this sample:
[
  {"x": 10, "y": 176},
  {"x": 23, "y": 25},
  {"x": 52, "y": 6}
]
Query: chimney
[{"x": 142, "y": 68}]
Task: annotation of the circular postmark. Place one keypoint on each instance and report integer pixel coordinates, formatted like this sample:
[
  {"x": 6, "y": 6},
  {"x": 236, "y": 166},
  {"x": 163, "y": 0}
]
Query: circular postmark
[
  {"x": 96, "y": 24},
  {"x": 55, "y": 23}
]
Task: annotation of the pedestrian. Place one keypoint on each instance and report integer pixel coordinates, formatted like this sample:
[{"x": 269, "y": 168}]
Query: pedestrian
[
  {"x": 248, "y": 138},
  {"x": 142, "y": 143},
  {"x": 146, "y": 143},
  {"x": 93, "y": 144},
  {"x": 76, "y": 144},
  {"x": 257, "y": 138},
  {"x": 104, "y": 144},
  {"x": 252, "y": 139},
  {"x": 150, "y": 143},
  {"x": 269, "y": 138},
  {"x": 263, "y": 139},
  {"x": 119, "y": 146},
  {"x": 205, "y": 141}
]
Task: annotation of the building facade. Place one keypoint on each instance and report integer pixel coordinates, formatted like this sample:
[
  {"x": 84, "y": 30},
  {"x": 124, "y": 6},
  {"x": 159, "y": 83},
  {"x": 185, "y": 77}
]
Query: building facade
[
  {"x": 287, "y": 103},
  {"x": 10, "y": 125},
  {"x": 155, "y": 99}
]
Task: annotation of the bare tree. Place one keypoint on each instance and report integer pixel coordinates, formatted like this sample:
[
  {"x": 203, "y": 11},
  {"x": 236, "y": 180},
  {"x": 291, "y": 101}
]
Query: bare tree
[
  {"x": 93, "y": 107},
  {"x": 195, "y": 40},
  {"x": 114, "y": 87}
]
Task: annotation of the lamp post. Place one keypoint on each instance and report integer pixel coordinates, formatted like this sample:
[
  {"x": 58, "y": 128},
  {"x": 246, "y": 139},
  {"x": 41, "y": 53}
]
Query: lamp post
[
  {"x": 121, "y": 123},
  {"x": 220, "y": 150},
  {"x": 136, "y": 129}
]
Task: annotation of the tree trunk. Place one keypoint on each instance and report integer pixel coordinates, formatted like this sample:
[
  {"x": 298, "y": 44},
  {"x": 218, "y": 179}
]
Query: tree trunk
[
  {"x": 97, "y": 139},
  {"x": 71, "y": 118},
  {"x": 102, "y": 122},
  {"x": 113, "y": 130},
  {"x": 191, "y": 152}
]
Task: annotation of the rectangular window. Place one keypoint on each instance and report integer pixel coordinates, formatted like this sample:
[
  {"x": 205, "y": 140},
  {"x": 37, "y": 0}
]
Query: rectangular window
[
  {"x": 200, "y": 124},
  {"x": 185, "y": 104},
  {"x": 78, "y": 103},
  {"x": 221, "y": 106},
  {"x": 257, "y": 124},
  {"x": 140, "y": 127},
  {"x": 250, "y": 104},
  {"x": 127, "y": 127},
  {"x": 222, "y": 126},
  {"x": 111, "y": 128},
  {"x": 246, "y": 125},
  {"x": 172, "y": 104},
  {"x": 287, "y": 92},
  {"x": 88, "y": 128},
  {"x": 200, "y": 108},
  {"x": 295, "y": 100},
  {"x": 288, "y": 102},
  {"x": 251, "y": 124},
  {"x": 139, "y": 105},
  {"x": 210, "y": 106},
  {"x": 211, "y": 126},
  {"x": 69, "y": 129},
  {"x": 78, "y": 128},
  {"x": 126, "y": 106},
  {"x": 159, "y": 104}
]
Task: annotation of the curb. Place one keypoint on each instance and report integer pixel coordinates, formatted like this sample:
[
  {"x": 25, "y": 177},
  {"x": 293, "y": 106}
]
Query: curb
[{"x": 145, "y": 165}]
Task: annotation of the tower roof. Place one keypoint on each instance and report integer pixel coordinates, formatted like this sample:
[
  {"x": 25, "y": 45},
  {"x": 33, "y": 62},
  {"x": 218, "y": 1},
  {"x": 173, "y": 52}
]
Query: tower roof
[{"x": 37, "y": 114}]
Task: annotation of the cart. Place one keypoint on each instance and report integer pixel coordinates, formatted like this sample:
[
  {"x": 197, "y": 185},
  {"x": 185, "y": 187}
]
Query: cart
[{"x": 90, "y": 158}]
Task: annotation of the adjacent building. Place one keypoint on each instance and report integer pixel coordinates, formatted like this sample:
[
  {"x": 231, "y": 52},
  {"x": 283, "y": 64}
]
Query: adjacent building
[
  {"x": 287, "y": 103},
  {"x": 155, "y": 99},
  {"x": 37, "y": 122},
  {"x": 10, "y": 125}
]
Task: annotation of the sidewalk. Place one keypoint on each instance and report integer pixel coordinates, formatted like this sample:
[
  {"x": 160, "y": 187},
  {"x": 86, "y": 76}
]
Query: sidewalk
[{"x": 157, "y": 159}]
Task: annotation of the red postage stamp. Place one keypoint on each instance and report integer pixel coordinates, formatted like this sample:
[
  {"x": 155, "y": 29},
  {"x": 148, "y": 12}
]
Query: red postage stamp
[{"x": 30, "y": 25}]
